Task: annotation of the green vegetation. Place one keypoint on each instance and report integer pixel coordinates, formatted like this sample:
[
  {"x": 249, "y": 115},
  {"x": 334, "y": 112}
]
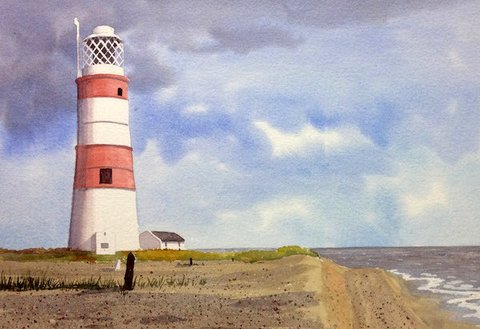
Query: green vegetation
[
  {"x": 42, "y": 282},
  {"x": 259, "y": 255},
  {"x": 30, "y": 282},
  {"x": 244, "y": 256},
  {"x": 63, "y": 254},
  {"x": 40, "y": 254},
  {"x": 160, "y": 282}
]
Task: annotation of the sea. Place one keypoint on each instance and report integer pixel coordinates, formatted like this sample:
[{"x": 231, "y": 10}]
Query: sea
[{"x": 451, "y": 274}]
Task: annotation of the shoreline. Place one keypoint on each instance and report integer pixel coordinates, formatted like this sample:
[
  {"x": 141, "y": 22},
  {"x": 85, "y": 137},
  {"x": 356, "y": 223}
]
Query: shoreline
[
  {"x": 295, "y": 291},
  {"x": 456, "y": 312}
]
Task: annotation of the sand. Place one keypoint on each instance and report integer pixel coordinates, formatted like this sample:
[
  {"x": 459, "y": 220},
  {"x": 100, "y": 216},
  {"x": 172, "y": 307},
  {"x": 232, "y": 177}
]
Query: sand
[{"x": 294, "y": 292}]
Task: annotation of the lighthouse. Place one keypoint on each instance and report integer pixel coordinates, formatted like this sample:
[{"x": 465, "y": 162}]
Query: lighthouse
[{"x": 104, "y": 211}]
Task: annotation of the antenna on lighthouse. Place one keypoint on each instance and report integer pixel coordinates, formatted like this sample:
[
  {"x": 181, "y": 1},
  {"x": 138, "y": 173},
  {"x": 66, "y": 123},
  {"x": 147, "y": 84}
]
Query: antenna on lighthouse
[{"x": 77, "y": 24}]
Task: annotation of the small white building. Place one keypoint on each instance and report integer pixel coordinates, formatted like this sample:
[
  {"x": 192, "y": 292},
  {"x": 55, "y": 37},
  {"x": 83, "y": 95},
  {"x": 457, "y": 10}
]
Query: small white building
[{"x": 161, "y": 240}]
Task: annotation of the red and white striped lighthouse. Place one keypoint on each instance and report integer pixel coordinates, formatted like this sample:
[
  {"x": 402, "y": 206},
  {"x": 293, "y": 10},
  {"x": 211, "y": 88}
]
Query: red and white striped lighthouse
[{"x": 104, "y": 212}]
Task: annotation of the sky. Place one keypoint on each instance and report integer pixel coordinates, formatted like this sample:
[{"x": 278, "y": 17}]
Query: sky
[{"x": 256, "y": 123}]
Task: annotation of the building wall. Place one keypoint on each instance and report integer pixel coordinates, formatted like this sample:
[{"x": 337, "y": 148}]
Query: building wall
[
  {"x": 104, "y": 210},
  {"x": 103, "y": 120},
  {"x": 101, "y": 205},
  {"x": 105, "y": 243},
  {"x": 173, "y": 245},
  {"x": 103, "y": 117},
  {"x": 106, "y": 109},
  {"x": 148, "y": 241},
  {"x": 90, "y": 159}
]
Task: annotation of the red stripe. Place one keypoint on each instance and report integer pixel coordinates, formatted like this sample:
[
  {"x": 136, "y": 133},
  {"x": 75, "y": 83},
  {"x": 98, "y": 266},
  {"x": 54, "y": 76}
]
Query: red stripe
[
  {"x": 91, "y": 158},
  {"x": 102, "y": 85}
]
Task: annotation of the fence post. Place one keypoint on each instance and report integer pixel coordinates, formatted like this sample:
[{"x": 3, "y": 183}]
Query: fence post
[
  {"x": 191, "y": 261},
  {"x": 128, "y": 285}
]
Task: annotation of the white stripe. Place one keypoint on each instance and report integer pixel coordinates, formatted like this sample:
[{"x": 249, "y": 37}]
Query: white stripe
[
  {"x": 103, "y": 69},
  {"x": 117, "y": 123},
  {"x": 103, "y": 109},
  {"x": 104, "y": 133}
]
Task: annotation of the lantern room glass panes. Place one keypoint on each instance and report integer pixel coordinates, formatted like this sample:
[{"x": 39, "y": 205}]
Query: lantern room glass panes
[{"x": 103, "y": 50}]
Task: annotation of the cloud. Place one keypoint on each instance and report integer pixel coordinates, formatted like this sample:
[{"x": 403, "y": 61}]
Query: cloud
[
  {"x": 259, "y": 114},
  {"x": 160, "y": 36},
  {"x": 166, "y": 95},
  {"x": 419, "y": 182},
  {"x": 209, "y": 194},
  {"x": 433, "y": 198},
  {"x": 332, "y": 13},
  {"x": 309, "y": 139},
  {"x": 276, "y": 212},
  {"x": 183, "y": 191},
  {"x": 196, "y": 109},
  {"x": 281, "y": 220},
  {"x": 244, "y": 39},
  {"x": 35, "y": 198},
  {"x": 417, "y": 204},
  {"x": 147, "y": 73}
]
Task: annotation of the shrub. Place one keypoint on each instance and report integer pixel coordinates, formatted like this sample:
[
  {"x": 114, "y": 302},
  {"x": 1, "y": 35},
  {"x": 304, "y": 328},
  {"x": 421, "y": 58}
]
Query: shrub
[{"x": 64, "y": 254}]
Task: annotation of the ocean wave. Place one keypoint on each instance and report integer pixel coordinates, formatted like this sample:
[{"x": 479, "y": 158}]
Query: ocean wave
[{"x": 464, "y": 296}]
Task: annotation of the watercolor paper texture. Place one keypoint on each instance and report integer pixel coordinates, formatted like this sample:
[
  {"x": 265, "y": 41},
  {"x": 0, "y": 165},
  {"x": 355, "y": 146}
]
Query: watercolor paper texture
[{"x": 256, "y": 123}]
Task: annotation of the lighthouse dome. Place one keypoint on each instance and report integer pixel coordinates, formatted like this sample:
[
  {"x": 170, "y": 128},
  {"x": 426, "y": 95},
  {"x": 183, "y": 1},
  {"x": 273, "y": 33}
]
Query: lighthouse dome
[{"x": 104, "y": 30}]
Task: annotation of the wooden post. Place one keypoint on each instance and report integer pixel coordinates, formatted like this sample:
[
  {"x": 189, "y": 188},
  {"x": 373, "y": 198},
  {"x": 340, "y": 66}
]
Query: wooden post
[
  {"x": 191, "y": 261},
  {"x": 128, "y": 285}
]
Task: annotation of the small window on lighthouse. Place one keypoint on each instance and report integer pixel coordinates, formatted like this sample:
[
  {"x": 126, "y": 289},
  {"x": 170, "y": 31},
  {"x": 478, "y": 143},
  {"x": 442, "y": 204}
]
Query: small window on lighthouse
[
  {"x": 106, "y": 176},
  {"x": 119, "y": 92}
]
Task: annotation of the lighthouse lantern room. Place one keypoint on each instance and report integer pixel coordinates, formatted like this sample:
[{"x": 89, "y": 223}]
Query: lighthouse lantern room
[{"x": 104, "y": 213}]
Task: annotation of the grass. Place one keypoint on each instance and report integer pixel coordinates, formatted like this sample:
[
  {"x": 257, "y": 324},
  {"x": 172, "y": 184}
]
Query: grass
[
  {"x": 40, "y": 254},
  {"x": 29, "y": 282},
  {"x": 160, "y": 282},
  {"x": 244, "y": 256},
  {"x": 43, "y": 282},
  {"x": 63, "y": 254},
  {"x": 262, "y": 255}
]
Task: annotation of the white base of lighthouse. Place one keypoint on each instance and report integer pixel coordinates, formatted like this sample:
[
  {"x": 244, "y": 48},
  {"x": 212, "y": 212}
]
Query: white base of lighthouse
[{"x": 104, "y": 220}]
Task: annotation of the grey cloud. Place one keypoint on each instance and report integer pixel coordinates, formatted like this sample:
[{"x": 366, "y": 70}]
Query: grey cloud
[
  {"x": 336, "y": 13},
  {"x": 37, "y": 84},
  {"x": 247, "y": 38},
  {"x": 37, "y": 65},
  {"x": 37, "y": 59},
  {"x": 147, "y": 73}
]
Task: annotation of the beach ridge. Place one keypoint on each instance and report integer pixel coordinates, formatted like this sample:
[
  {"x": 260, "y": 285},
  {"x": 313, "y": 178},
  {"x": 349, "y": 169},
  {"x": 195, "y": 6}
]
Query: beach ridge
[{"x": 292, "y": 292}]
